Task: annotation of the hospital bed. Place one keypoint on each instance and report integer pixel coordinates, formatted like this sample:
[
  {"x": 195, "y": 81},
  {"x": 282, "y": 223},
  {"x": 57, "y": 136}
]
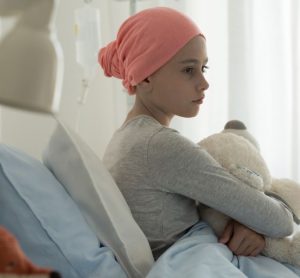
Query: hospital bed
[{"x": 67, "y": 212}]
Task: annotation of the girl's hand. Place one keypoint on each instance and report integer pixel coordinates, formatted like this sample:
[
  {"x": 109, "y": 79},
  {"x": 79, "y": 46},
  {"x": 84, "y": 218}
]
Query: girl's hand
[{"x": 241, "y": 240}]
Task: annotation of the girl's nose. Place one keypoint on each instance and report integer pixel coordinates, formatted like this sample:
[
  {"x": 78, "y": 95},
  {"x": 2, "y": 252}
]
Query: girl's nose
[
  {"x": 206, "y": 84},
  {"x": 203, "y": 84}
]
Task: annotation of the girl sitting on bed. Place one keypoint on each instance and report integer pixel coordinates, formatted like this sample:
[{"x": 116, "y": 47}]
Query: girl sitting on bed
[{"x": 160, "y": 55}]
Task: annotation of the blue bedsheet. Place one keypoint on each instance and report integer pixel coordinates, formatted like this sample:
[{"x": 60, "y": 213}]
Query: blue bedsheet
[{"x": 198, "y": 254}]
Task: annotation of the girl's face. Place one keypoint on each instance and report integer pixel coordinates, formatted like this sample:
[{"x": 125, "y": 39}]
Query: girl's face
[{"x": 178, "y": 87}]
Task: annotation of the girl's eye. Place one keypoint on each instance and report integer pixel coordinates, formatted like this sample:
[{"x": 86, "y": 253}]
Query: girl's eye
[
  {"x": 189, "y": 70},
  {"x": 204, "y": 68}
]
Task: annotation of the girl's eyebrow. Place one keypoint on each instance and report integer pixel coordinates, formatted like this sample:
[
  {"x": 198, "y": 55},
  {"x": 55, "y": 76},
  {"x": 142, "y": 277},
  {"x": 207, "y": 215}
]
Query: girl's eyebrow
[{"x": 195, "y": 61}]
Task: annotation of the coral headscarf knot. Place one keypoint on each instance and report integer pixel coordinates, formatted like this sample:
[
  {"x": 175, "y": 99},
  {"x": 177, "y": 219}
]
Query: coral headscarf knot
[{"x": 144, "y": 43}]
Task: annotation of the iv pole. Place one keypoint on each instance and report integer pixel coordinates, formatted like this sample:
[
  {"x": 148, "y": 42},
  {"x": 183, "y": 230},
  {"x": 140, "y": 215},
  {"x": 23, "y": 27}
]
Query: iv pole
[{"x": 87, "y": 31}]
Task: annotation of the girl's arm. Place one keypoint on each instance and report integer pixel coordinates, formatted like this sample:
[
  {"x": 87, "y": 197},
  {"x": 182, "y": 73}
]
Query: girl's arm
[{"x": 182, "y": 167}]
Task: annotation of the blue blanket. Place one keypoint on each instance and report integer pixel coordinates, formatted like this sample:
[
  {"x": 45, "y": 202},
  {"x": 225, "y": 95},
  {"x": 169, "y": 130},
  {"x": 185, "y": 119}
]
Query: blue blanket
[{"x": 198, "y": 254}]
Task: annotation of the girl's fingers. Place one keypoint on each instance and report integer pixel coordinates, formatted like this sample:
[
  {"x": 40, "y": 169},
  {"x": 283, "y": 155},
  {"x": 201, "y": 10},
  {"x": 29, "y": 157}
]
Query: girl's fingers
[
  {"x": 227, "y": 233},
  {"x": 245, "y": 248},
  {"x": 249, "y": 249},
  {"x": 255, "y": 252},
  {"x": 236, "y": 243}
]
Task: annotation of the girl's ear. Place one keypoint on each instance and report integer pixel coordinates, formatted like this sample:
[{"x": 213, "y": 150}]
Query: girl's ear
[{"x": 145, "y": 85}]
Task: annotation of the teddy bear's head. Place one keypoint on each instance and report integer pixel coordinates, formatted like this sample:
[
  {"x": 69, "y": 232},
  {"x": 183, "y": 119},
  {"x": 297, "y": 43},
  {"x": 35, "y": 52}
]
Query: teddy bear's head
[{"x": 237, "y": 151}]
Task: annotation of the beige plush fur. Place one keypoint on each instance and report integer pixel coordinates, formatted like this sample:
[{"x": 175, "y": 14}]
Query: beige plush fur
[{"x": 237, "y": 151}]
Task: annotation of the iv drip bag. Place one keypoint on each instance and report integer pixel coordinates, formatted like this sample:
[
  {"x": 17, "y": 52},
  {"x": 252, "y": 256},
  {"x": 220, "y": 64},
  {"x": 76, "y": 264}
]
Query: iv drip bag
[{"x": 87, "y": 30}]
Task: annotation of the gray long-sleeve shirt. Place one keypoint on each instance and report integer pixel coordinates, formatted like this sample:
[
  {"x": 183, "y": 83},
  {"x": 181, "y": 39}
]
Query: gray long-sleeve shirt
[{"x": 161, "y": 174}]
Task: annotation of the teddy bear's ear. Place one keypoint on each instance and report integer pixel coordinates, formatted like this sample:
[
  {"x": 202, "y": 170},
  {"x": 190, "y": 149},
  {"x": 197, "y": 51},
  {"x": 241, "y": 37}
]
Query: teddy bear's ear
[
  {"x": 239, "y": 128},
  {"x": 235, "y": 124}
]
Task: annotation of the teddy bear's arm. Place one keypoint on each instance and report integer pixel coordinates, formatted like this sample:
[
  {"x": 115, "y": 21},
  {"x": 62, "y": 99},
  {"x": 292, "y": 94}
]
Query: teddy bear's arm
[
  {"x": 275, "y": 196},
  {"x": 289, "y": 191}
]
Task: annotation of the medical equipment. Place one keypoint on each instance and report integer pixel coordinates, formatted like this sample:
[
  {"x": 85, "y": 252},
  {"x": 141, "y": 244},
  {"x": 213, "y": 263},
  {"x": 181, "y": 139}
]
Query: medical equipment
[
  {"x": 87, "y": 31},
  {"x": 31, "y": 60}
]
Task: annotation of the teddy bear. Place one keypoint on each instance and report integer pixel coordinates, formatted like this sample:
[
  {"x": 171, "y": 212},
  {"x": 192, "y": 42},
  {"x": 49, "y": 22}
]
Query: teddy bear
[
  {"x": 14, "y": 263},
  {"x": 236, "y": 150}
]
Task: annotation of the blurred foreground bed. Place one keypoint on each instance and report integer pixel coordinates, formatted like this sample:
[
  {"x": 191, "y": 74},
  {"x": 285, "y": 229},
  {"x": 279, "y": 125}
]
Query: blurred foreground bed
[{"x": 69, "y": 215}]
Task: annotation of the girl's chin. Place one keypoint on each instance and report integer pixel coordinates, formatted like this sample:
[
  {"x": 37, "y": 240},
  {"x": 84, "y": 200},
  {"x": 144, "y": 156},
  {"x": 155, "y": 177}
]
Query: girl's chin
[{"x": 190, "y": 114}]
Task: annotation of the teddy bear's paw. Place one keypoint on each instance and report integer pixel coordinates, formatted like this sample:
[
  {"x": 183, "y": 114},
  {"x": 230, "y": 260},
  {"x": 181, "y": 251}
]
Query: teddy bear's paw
[
  {"x": 278, "y": 249},
  {"x": 294, "y": 251},
  {"x": 248, "y": 176}
]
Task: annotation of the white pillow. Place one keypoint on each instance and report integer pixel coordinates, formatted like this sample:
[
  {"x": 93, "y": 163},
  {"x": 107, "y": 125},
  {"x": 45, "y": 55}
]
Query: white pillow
[{"x": 91, "y": 186}]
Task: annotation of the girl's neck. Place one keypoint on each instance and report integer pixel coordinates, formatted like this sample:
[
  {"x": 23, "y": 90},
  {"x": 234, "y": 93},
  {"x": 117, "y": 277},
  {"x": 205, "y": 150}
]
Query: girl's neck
[{"x": 140, "y": 109}]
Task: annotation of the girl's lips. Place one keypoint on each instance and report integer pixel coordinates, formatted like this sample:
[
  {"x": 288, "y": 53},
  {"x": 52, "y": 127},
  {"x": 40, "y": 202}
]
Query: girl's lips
[{"x": 199, "y": 101}]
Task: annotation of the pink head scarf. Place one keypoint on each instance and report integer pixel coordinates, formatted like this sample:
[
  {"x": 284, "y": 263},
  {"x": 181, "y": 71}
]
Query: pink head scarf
[{"x": 145, "y": 42}]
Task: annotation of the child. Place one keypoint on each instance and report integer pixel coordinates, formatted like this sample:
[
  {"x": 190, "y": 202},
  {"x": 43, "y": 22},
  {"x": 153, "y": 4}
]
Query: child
[{"x": 160, "y": 55}]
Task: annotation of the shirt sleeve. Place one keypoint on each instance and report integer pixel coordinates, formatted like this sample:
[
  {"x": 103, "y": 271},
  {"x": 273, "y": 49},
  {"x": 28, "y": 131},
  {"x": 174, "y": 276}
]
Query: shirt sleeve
[{"x": 179, "y": 166}]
